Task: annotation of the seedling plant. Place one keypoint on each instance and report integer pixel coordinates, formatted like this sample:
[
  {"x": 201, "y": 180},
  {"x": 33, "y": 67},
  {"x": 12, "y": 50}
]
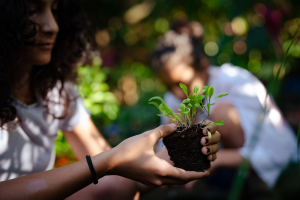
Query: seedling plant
[{"x": 191, "y": 108}]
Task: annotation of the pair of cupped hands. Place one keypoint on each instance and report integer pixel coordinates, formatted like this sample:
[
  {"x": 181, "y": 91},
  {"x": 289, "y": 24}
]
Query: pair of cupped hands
[{"x": 134, "y": 158}]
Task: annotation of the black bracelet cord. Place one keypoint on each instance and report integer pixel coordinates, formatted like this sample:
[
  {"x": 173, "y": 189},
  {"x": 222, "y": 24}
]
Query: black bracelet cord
[{"x": 92, "y": 169}]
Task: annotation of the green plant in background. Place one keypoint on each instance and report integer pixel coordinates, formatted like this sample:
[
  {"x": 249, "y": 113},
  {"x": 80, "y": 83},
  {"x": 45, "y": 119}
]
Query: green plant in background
[
  {"x": 195, "y": 107},
  {"x": 97, "y": 99},
  {"x": 95, "y": 92}
]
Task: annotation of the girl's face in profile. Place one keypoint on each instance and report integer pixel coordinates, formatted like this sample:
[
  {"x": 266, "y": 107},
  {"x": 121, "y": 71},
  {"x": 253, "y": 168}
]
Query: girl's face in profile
[{"x": 44, "y": 13}]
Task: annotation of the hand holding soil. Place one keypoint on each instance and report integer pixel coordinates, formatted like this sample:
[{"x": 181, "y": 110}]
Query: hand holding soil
[{"x": 134, "y": 158}]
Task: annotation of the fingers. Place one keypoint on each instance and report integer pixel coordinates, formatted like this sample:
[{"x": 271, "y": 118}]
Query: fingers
[
  {"x": 212, "y": 157},
  {"x": 211, "y": 149},
  {"x": 180, "y": 176},
  {"x": 163, "y": 131},
  {"x": 212, "y": 128},
  {"x": 215, "y": 138},
  {"x": 191, "y": 175}
]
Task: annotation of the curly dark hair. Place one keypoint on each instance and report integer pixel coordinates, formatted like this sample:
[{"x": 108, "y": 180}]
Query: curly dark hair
[
  {"x": 183, "y": 39},
  {"x": 71, "y": 43}
]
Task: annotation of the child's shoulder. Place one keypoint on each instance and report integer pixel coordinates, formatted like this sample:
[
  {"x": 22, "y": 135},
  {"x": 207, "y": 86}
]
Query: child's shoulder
[{"x": 228, "y": 73}]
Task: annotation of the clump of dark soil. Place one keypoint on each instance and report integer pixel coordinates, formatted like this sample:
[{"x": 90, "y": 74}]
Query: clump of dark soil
[{"x": 184, "y": 149}]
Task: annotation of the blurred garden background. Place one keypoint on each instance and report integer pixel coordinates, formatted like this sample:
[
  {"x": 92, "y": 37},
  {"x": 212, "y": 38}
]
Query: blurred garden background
[{"x": 117, "y": 81}]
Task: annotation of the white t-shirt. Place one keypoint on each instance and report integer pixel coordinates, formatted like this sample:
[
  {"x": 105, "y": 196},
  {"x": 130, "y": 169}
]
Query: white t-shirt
[
  {"x": 273, "y": 146},
  {"x": 28, "y": 147}
]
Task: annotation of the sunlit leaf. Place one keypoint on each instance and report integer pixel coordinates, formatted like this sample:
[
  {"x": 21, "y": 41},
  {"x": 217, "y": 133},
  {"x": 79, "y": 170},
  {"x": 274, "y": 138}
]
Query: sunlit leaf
[
  {"x": 202, "y": 91},
  {"x": 154, "y": 103},
  {"x": 211, "y": 92},
  {"x": 196, "y": 88},
  {"x": 186, "y": 100},
  {"x": 184, "y": 88},
  {"x": 206, "y": 125},
  {"x": 195, "y": 96},
  {"x": 182, "y": 107},
  {"x": 206, "y": 87},
  {"x": 221, "y": 95},
  {"x": 219, "y": 123}
]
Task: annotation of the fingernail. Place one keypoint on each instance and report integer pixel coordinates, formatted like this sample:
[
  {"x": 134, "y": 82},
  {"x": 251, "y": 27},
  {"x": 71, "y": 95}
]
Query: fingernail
[
  {"x": 206, "y": 140},
  {"x": 208, "y": 150},
  {"x": 173, "y": 125},
  {"x": 207, "y": 130}
]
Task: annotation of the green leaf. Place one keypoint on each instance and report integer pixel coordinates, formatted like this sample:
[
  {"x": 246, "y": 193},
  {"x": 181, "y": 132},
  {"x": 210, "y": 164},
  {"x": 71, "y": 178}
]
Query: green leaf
[
  {"x": 154, "y": 103},
  {"x": 158, "y": 98},
  {"x": 200, "y": 98},
  {"x": 206, "y": 125},
  {"x": 166, "y": 110},
  {"x": 206, "y": 87},
  {"x": 219, "y": 123},
  {"x": 197, "y": 104},
  {"x": 202, "y": 91},
  {"x": 212, "y": 104},
  {"x": 195, "y": 96},
  {"x": 196, "y": 88},
  {"x": 182, "y": 107},
  {"x": 186, "y": 100},
  {"x": 221, "y": 95},
  {"x": 211, "y": 91},
  {"x": 184, "y": 88}
]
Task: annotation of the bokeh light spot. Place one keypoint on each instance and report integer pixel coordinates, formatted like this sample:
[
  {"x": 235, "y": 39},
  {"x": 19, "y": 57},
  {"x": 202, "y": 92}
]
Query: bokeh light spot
[
  {"x": 223, "y": 58},
  {"x": 102, "y": 38},
  {"x": 240, "y": 47},
  {"x": 211, "y": 48},
  {"x": 239, "y": 26},
  {"x": 254, "y": 66},
  {"x": 258, "y": 20},
  {"x": 227, "y": 29},
  {"x": 148, "y": 85},
  {"x": 260, "y": 9},
  {"x": 161, "y": 25},
  {"x": 130, "y": 38},
  {"x": 255, "y": 54},
  {"x": 138, "y": 12},
  {"x": 276, "y": 16}
]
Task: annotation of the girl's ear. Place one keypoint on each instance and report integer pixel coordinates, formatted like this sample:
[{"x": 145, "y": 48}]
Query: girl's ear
[{"x": 196, "y": 29}]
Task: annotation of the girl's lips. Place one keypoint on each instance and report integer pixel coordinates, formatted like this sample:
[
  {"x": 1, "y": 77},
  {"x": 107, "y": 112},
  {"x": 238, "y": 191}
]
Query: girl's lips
[{"x": 46, "y": 46}]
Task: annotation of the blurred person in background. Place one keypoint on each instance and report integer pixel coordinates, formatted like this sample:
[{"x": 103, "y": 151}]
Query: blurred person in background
[
  {"x": 254, "y": 126},
  {"x": 41, "y": 42}
]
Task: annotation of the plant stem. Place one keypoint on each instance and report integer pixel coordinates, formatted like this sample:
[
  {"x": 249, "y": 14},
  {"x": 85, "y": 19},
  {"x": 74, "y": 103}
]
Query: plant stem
[{"x": 204, "y": 120}]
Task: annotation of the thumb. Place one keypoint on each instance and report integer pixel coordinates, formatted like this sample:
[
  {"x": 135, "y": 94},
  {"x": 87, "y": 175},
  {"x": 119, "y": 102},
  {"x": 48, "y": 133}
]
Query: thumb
[{"x": 164, "y": 130}]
